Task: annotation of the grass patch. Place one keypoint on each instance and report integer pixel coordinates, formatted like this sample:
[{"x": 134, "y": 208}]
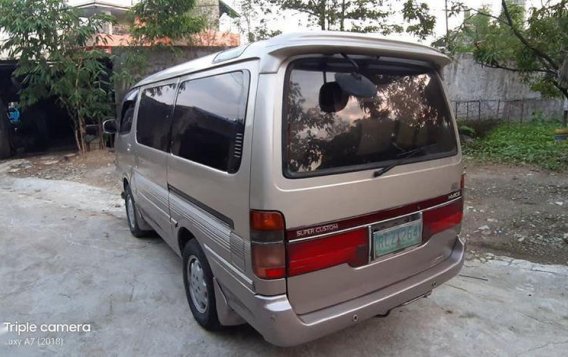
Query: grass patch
[{"x": 521, "y": 143}]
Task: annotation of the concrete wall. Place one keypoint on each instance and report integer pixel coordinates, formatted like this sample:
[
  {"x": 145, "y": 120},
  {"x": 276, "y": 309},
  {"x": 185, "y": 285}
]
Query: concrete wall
[{"x": 482, "y": 92}]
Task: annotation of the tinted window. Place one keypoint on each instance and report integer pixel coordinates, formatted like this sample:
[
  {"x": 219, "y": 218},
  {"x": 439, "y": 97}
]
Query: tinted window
[
  {"x": 154, "y": 113},
  {"x": 126, "y": 122},
  {"x": 127, "y": 111},
  {"x": 209, "y": 120},
  {"x": 408, "y": 113}
]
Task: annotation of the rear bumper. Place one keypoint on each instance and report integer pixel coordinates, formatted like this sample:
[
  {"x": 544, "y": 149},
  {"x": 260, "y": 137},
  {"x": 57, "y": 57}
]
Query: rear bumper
[{"x": 279, "y": 325}]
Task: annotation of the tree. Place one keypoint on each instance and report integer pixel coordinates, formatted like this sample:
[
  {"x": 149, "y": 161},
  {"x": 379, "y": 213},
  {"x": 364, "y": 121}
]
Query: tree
[
  {"x": 535, "y": 45},
  {"x": 164, "y": 21},
  {"x": 252, "y": 23},
  {"x": 360, "y": 15},
  {"x": 474, "y": 27},
  {"x": 154, "y": 23},
  {"x": 58, "y": 57}
]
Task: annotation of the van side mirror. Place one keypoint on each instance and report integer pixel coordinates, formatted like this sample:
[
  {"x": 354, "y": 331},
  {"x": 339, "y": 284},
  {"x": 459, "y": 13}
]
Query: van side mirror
[{"x": 109, "y": 126}]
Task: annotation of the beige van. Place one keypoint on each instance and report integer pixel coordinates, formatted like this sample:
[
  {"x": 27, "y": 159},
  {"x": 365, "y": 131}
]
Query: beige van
[{"x": 309, "y": 182}]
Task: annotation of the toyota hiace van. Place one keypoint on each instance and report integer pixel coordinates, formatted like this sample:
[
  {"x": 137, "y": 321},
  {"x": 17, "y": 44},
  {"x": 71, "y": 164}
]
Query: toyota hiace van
[{"x": 309, "y": 182}]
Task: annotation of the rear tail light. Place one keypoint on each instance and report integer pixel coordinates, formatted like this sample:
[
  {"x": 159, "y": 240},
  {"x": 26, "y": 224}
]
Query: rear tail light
[
  {"x": 267, "y": 244},
  {"x": 441, "y": 218},
  {"x": 351, "y": 247},
  {"x": 273, "y": 258}
]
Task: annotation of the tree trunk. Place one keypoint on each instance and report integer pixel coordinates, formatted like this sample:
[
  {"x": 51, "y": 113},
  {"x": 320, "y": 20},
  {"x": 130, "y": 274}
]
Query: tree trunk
[
  {"x": 322, "y": 14},
  {"x": 82, "y": 133},
  {"x": 563, "y": 75},
  {"x": 565, "y": 107},
  {"x": 77, "y": 140},
  {"x": 101, "y": 134},
  {"x": 342, "y": 20}
]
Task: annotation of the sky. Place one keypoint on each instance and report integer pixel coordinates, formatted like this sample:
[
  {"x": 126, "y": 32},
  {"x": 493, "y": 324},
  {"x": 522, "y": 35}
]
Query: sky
[{"x": 288, "y": 21}]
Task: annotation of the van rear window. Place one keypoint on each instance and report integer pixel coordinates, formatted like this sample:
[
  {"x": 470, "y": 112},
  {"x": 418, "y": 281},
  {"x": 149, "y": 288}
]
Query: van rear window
[{"x": 329, "y": 127}]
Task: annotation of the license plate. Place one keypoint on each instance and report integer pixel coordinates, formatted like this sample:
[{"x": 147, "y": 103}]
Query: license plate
[{"x": 397, "y": 238}]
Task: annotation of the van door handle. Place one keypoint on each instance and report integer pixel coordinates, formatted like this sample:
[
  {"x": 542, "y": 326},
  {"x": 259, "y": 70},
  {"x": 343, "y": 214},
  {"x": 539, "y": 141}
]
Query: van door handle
[{"x": 128, "y": 147}]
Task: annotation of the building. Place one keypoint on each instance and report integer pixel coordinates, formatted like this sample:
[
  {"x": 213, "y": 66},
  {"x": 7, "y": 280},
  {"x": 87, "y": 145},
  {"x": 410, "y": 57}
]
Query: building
[
  {"x": 45, "y": 125},
  {"x": 212, "y": 10}
]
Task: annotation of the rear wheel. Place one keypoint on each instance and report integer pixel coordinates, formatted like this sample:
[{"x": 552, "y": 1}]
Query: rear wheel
[
  {"x": 198, "y": 281},
  {"x": 133, "y": 215}
]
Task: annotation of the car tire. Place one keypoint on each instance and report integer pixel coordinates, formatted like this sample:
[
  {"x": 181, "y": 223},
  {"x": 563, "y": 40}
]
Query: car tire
[
  {"x": 133, "y": 215},
  {"x": 199, "y": 289}
]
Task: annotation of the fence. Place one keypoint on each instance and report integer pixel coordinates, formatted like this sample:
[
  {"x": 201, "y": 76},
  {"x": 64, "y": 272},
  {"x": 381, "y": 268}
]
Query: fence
[{"x": 510, "y": 110}]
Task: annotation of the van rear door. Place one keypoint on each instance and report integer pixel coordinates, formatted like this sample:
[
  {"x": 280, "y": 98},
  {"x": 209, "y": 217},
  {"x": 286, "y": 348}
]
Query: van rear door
[{"x": 352, "y": 226}]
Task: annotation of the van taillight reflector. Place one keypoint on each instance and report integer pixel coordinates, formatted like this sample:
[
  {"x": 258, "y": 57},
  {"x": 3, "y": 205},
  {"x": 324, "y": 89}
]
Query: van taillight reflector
[
  {"x": 441, "y": 218},
  {"x": 266, "y": 221},
  {"x": 351, "y": 247},
  {"x": 267, "y": 244},
  {"x": 269, "y": 260}
]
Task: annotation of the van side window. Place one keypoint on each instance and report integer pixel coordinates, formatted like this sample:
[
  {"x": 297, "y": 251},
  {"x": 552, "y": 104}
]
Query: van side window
[
  {"x": 209, "y": 120},
  {"x": 154, "y": 116},
  {"x": 126, "y": 122},
  {"x": 127, "y": 112}
]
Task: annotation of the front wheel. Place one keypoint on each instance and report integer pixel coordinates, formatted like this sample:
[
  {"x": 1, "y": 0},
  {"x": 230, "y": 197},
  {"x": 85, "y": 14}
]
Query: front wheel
[{"x": 198, "y": 281}]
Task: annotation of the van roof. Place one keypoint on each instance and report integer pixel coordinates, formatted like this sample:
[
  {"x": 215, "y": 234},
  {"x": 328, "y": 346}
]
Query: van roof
[{"x": 272, "y": 52}]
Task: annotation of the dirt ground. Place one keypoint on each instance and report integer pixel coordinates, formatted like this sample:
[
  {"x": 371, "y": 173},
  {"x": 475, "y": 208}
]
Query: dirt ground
[
  {"x": 67, "y": 257},
  {"x": 96, "y": 168},
  {"x": 518, "y": 212}
]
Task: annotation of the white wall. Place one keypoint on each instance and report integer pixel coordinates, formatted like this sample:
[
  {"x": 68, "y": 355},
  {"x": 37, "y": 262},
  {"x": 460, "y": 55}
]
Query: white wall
[
  {"x": 467, "y": 80},
  {"x": 495, "y": 92}
]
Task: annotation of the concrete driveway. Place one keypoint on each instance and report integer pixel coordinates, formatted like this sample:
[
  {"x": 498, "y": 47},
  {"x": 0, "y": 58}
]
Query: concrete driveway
[{"x": 66, "y": 257}]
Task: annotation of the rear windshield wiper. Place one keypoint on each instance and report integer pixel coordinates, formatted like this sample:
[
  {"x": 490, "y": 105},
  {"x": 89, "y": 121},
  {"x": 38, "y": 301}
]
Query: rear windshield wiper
[{"x": 401, "y": 158}]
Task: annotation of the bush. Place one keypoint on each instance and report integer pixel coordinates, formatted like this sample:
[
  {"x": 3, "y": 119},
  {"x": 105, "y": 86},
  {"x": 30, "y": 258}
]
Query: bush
[
  {"x": 479, "y": 128},
  {"x": 522, "y": 143},
  {"x": 467, "y": 130}
]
